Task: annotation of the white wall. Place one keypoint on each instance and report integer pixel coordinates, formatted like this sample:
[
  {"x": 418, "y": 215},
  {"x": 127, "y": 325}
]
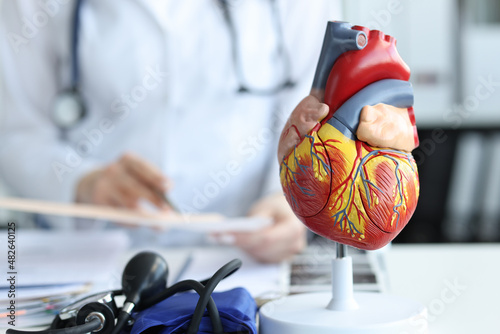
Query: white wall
[
  {"x": 423, "y": 30},
  {"x": 481, "y": 50},
  {"x": 449, "y": 80}
]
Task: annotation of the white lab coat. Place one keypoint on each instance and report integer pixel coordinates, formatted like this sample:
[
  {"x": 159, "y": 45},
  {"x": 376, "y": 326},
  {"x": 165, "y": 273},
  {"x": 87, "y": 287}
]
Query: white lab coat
[{"x": 158, "y": 80}]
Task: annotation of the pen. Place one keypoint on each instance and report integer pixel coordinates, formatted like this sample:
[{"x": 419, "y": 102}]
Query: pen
[
  {"x": 184, "y": 268},
  {"x": 167, "y": 201}
]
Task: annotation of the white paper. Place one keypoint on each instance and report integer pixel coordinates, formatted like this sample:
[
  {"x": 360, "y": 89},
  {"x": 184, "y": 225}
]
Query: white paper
[
  {"x": 240, "y": 224},
  {"x": 27, "y": 294},
  {"x": 259, "y": 279},
  {"x": 45, "y": 258}
]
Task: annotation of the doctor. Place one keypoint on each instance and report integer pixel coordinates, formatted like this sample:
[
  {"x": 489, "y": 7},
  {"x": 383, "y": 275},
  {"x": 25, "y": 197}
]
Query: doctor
[{"x": 185, "y": 97}]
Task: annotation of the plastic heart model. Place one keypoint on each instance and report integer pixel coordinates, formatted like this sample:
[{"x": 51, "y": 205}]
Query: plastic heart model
[{"x": 340, "y": 187}]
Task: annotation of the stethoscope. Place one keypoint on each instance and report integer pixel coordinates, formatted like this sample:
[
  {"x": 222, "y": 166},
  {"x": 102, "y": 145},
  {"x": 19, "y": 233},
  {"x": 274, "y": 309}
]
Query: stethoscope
[
  {"x": 144, "y": 284},
  {"x": 69, "y": 107}
]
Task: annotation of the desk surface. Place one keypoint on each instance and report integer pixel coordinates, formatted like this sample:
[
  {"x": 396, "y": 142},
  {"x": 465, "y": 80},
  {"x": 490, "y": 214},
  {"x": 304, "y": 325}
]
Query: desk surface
[{"x": 458, "y": 283}]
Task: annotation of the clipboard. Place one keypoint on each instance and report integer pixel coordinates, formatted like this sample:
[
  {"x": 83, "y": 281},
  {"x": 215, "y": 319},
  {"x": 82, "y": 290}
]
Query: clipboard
[{"x": 204, "y": 222}]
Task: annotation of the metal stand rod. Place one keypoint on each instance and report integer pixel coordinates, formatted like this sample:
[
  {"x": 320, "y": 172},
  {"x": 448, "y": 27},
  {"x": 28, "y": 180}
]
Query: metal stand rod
[{"x": 341, "y": 251}]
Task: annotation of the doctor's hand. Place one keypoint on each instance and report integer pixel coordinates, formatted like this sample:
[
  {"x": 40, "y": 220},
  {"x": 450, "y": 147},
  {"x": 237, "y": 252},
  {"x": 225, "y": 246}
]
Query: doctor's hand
[
  {"x": 123, "y": 183},
  {"x": 279, "y": 241}
]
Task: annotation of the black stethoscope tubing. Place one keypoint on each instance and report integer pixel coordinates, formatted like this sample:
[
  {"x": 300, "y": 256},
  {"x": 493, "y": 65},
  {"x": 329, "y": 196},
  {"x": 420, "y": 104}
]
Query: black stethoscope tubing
[
  {"x": 69, "y": 108},
  {"x": 203, "y": 288},
  {"x": 75, "y": 71}
]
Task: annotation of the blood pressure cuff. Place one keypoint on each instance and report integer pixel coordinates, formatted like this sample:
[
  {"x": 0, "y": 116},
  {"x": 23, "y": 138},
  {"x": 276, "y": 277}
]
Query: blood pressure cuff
[{"x": 237, "y": 311}]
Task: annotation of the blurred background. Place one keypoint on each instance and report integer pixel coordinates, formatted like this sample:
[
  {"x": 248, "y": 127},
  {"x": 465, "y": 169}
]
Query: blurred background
[{"x": 452, "y": 47}]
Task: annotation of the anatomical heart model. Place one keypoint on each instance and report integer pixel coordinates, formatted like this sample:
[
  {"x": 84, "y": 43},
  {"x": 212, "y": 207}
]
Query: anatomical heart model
[{"x": 350, "y": 176}]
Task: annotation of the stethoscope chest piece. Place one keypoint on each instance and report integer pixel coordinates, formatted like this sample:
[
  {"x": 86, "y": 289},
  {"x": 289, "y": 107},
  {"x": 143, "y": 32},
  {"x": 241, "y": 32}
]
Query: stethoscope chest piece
[{"x": 68, "y": 109}]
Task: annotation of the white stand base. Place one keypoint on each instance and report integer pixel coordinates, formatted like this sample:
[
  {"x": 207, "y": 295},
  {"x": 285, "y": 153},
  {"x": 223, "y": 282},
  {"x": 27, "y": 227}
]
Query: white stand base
[
  {"x": 342, "y": 310},
  {"x": 377, "y": 313}
]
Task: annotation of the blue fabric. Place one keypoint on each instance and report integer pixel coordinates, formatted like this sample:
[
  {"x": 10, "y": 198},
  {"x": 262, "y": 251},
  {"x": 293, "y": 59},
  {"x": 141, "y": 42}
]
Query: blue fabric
[{"x": 237, "y": 311}]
